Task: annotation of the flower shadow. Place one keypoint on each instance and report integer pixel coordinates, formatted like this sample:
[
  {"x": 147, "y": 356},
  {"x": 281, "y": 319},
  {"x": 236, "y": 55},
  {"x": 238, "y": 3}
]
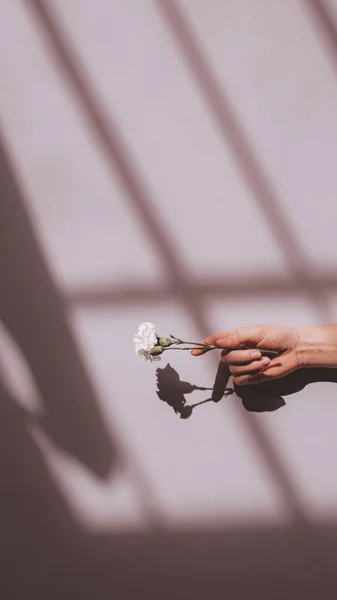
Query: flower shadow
[
  {"x": 268, "y": 396},
  {"x": 172, "y": 390},
  {"x": 263, "y": 397}
]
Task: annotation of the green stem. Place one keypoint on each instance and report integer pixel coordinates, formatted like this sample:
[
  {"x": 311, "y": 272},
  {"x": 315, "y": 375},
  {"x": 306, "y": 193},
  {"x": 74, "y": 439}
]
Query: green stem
[
  {"x": 193, "y": 348},
  {"x": 199, "y": 344}
]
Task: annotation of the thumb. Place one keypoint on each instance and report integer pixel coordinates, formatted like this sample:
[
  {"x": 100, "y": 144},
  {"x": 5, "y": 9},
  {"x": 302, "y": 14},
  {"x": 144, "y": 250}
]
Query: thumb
[{"x": 240, "y": 337}]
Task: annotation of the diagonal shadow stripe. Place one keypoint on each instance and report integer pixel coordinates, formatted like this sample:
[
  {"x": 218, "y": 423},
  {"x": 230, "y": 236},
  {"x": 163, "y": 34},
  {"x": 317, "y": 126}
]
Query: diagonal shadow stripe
[
  {"x": 210, "y": 288},
  {"x": 242, "y": 149},
  {"x": 105, "y": 132},
  {"x": 33, "y": 320},
  {"x": 326, "y": 23}
]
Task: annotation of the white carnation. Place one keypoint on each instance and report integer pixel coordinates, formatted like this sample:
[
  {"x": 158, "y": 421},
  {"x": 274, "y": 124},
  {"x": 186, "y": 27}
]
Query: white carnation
[{"x": 145, "y": 339}]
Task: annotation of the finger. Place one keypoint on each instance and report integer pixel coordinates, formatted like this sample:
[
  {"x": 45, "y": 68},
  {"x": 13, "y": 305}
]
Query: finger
[
  {"x": 276, "y": 369},
  {"x": 249, "y": 368},
  {"x": 240, "y": 337},
  {"x": 199, "y": 351},
  {"x": 211, "y": 339},
  {"x": 240, "y": 356},
  {"x": 232, "y": 340},
  {"x": 255, "y": 378}
]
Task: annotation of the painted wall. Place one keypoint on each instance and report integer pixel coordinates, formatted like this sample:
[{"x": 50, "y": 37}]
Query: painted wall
[{"x": 173, "y": 162}]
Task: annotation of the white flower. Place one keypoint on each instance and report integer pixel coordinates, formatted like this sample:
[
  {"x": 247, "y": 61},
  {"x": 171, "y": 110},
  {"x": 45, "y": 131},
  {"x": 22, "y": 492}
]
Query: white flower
[{"x": 145, "y": 339}]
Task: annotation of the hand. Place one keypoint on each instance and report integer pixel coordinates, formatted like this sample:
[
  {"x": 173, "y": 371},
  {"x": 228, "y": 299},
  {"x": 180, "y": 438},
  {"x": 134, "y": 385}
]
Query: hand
[{"x": 248, "y": 366}]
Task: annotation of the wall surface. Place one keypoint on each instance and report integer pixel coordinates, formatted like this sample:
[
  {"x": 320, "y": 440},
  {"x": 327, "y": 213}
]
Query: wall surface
[{"x": 172, "y": 161}]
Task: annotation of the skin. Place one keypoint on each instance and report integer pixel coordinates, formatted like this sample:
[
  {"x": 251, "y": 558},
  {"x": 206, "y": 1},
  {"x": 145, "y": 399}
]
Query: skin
[{"x": 298, "y": 347}]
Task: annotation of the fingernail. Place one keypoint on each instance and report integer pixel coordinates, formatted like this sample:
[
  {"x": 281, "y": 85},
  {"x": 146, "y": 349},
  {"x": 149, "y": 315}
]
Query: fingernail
[
  {"x": 256, "y": 354},
  {"x": 265, "y": 361},
  {"x": 220, "y": 342}
]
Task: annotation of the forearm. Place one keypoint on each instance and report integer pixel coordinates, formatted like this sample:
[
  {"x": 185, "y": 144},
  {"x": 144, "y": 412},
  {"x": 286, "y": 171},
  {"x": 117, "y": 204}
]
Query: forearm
[{"x": 317, "y": 346}]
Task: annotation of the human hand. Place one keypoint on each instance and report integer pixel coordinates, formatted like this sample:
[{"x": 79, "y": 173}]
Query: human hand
[{"x": 248, "y": 366}]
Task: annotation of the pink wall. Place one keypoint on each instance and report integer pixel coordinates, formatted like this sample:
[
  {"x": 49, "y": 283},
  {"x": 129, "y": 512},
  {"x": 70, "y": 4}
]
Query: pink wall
[{"x": 174, "y": 162}]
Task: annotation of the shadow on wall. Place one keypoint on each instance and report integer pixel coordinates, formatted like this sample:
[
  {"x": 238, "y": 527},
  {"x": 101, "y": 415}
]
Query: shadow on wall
[
  {"x": 104, "y": 131},
  {"x": 44, "y": 553},
  {"x": 268, "y": 396},
  {"x": 33, "y": 313},
  {"x": 172, "y": 390},
  {"x": 263, "y": 397}
]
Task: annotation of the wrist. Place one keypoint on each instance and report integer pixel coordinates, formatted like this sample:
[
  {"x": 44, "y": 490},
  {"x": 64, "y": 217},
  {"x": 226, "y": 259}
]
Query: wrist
[{"x": 317, "y": 346}]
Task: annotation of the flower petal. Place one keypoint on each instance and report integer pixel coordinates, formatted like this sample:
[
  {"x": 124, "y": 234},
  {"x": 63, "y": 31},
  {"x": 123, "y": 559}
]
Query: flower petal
[{"x": 146, "y": 337}]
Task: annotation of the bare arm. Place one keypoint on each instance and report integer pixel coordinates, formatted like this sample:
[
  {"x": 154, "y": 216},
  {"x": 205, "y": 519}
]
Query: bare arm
[
  {"x": 297, "y": 347},
  {"x": 318, "y": 346}
]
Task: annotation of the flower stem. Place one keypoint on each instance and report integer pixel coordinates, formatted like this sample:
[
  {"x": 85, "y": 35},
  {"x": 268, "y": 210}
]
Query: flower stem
[
  {"x": 199, "y": 344},
  {"x": 206, "y": 347},
  {"x": 193, "y": 347}
]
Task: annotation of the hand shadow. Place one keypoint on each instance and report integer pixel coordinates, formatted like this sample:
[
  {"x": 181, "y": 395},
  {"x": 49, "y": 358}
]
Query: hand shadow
[
  {"x": 172, "y": 390},
  {"x": 268, "y": 396}
]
